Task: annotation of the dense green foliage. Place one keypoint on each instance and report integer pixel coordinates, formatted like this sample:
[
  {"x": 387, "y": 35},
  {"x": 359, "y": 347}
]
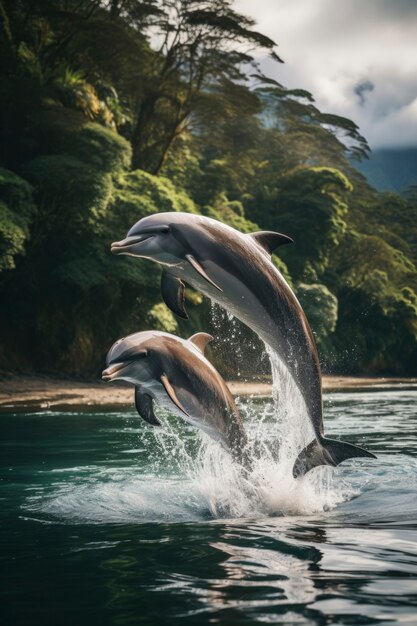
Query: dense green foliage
[{"x": 115, "y": 109}]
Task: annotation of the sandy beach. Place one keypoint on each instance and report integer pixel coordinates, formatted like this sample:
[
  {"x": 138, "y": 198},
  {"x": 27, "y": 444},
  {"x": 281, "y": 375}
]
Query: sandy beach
[{"x": 37, "y": 392}]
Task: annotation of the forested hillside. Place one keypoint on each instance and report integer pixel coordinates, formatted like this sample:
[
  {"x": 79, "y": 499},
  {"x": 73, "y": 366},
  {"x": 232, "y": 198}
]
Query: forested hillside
[{"x": 113, "y": 110}]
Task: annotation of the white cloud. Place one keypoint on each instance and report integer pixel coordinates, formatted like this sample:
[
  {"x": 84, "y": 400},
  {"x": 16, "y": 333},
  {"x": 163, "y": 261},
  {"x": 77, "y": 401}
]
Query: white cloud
[{"x": 330, "y": 47}]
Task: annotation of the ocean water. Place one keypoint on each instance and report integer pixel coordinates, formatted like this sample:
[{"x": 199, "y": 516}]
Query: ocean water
[{"x": 105, "y": 520}]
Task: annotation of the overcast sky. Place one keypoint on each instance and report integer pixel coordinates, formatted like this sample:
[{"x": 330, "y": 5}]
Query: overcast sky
[{"x": 357, "y": 57}]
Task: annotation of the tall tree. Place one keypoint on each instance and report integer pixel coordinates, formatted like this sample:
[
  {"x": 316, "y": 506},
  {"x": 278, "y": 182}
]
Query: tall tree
[{"x": 201, "y": 43}]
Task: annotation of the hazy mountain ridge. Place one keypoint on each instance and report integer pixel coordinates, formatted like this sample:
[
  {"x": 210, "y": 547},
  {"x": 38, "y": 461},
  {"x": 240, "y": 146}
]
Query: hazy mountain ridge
[{"x": 391, "y": 169}]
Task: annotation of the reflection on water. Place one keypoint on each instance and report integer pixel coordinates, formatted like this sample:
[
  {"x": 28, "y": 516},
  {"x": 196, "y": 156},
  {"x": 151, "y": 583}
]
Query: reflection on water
[{"x": 103, "y": 523}]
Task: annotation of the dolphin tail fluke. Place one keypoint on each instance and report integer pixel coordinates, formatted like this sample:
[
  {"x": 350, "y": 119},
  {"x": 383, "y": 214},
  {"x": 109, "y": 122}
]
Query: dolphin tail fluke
[{"x": 326, "y": 452}]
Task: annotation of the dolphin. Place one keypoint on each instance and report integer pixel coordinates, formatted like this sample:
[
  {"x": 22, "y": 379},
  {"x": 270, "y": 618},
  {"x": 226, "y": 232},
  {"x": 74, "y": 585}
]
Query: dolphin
[
  {"x": 236, "y": 271},
  {"x": 175, "y": 373}
]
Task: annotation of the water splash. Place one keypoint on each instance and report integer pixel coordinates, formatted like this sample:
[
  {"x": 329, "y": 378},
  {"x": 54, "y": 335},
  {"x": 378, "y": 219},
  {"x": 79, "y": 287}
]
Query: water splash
[
  {"x": 276, "y": 436},
  {"x": 269, "y": 489},
  {"x": 294, "y": 424},
  {"x": 186, "y": 476},
  {"x": 277, "y": 432},
  {"x": 189, "y": 476}
]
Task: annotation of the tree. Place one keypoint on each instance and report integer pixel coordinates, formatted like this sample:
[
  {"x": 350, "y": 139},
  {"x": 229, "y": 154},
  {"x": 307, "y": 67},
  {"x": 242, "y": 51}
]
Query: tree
[
  {"x": 17, "y": 211},
  {"x": 201, "y": 44},
  {"x": 97, "y": 97},
  {"x": 313, "y": 210}
]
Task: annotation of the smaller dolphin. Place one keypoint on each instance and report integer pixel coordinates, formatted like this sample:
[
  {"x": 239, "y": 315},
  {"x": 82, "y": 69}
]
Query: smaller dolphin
[{"x": 175, "y": 373}]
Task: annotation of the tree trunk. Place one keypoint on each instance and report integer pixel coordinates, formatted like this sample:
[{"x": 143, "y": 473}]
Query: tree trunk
[{"x": 139, "y": 133}]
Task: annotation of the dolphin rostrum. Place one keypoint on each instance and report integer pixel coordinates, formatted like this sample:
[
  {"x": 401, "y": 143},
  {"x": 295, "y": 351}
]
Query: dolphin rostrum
[
  {"x": 175, "y": 373},
  {"x": 236, "y": 271}
]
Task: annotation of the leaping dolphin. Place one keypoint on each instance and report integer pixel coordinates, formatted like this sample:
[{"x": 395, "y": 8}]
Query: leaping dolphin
[
  {"x": 175, "y": 373},
  {"x": 236, "y": 271}
]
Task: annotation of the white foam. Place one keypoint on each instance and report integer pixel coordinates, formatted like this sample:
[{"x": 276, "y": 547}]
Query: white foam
[
  {"x": 269, "y": 489},
  {"x": 277, "y": 431},
  {"x": 276, "y": 436}
]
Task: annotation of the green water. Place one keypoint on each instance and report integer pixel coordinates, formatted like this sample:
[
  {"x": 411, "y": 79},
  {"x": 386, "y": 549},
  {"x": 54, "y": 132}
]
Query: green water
[{"x": 102, "y": 522}]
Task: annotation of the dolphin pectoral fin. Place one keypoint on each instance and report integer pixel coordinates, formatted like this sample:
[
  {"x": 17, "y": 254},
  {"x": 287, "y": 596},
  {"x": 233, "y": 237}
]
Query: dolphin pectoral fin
[
  {"x": 172, "y": 290},
  {"x": 198, "y": 268},
  {"x": 326, "y": 452},
  {"x": 269, "y": 240},
  {"x": 200, "y": 340},
  {"x": 144, "y": 406},
  {"x": 171, "y": 393}
]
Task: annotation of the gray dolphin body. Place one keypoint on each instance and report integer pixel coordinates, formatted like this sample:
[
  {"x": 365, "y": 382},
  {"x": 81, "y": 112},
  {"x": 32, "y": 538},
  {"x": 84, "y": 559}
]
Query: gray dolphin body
[
  {"x": 236, "y": 271},
  {"x": 175, "y": 373}
]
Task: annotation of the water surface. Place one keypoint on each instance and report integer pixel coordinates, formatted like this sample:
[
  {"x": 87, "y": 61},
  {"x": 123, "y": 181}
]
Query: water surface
[{"x": 105, "y": 521}]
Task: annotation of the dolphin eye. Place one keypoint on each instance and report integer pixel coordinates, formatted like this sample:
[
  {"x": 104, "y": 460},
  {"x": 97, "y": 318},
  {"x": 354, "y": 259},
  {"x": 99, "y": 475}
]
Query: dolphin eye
[
  {"x": 164, "y": 230},
  {"x": 142, "y": 354}
]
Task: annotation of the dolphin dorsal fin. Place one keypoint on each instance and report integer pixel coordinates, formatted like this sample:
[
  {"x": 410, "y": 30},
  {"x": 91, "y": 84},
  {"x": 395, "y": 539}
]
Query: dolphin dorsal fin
[
  {"x": 200, "y": 340},
  {"x": 269, "y": 240}
]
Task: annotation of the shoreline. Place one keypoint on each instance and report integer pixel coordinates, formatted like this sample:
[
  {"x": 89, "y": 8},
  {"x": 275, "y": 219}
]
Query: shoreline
[{"x": 35, "y": 393}]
